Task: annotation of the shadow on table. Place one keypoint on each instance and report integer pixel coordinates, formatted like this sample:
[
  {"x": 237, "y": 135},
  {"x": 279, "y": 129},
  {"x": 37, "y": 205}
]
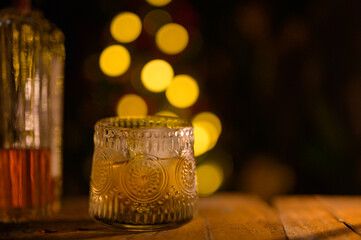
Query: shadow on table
[{"x": 62, "y": 229}]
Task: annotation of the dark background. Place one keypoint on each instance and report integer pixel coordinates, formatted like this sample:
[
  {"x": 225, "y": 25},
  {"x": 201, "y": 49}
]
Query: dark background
[{"x": 283, "y": 76}]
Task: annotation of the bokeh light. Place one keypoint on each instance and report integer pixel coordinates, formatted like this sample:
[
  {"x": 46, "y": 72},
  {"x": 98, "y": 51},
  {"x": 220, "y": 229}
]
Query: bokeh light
[
  {"x": 210, "y": 177},
  {"x": 114, "y": 60},
  {"x": 154, "y": 20},
  {"x": 211, "y": 133},
  {"x": 211, "y": 118},
  {"x": 156, "y": 75},
  {"x": 266, "y": 176},
  {"x": 158, "y": 3},
  {"x": 126, "y": 27},
  {"x": 201, "y": 139},
  {"x": 183, "y": 91},
  {"x": 209, "y": 123},
  {"x": 166, "y": 113},
  {"x": 223, "y": 158},
  {"x": 172, "y": 38},
  {"x": 132, "y": 105}
]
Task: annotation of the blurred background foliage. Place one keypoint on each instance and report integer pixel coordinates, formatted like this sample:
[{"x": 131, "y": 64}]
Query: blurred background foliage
[{"x": 283, "y": 77}]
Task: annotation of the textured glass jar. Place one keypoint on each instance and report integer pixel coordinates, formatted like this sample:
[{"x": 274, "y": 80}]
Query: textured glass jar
[
  {"x": 31, "y": 94},
  {"x": 143, "y": 174}
]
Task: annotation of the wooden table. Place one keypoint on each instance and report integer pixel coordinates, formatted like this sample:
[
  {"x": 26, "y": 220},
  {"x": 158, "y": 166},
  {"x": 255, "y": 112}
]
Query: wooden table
[{"x": 222, "y": 216}]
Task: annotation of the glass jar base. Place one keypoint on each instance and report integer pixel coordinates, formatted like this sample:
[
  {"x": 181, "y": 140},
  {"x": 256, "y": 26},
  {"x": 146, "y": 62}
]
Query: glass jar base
[{"x": 141, "y": 227}]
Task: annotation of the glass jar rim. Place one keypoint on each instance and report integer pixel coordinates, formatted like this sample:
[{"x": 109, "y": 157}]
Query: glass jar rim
[{"x": 143, "y": 123}]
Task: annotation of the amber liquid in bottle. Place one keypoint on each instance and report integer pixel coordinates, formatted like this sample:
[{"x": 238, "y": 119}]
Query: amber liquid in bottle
[{"x": 26, "y": 182}]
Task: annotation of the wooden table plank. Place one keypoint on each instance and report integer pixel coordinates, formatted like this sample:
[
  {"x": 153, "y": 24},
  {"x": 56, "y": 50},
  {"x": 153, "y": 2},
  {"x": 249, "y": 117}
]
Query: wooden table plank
[
  {"x": 73, "y": 222},
  {"x": 346, "y": 209},
  {"x": 240, "y": 217},
  {"x": 305, "y": 217},
  {"x": 224, "y": 216}
]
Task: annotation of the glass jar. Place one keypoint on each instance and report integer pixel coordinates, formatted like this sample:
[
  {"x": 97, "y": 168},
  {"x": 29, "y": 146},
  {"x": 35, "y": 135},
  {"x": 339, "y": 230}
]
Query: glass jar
[
  {"x": 143, "y": 173},
  {"x": 32, "y": 57}
]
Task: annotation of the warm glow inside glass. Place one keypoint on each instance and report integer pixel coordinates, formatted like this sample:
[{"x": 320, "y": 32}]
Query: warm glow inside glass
[{"x": 143, "y": 173}]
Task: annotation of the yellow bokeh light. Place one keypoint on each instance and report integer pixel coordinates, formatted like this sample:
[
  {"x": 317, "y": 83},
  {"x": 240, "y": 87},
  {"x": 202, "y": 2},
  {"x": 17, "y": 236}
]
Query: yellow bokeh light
[
  {"x": 201, "y": 139},
  {"x": 210, "y": 123},
  {"x": 158, "y": 3},
  {"x": 211, "y": 118},
  {"x": 132, "y": 105},
  {"x": 114, "y": 60},
  {"x": 125, "y": 27},
  {"x": 210, "y": 178},
  {"x": 211, "y": 134},
  {"x": 183, "y": 91},
  {"x": 166, "y": 113},
  {"x": 156, "y": 75},
  {"x": 172, "y": 38}
]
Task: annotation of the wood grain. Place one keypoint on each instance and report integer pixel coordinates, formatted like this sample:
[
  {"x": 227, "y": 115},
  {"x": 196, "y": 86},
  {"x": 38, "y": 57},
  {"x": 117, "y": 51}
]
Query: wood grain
[
  {"x": 225, "y": 216},
  {"x": 305, "y": 217},
  {"x": 346, "y": 209},
  {"x": 240, "y": 217},
  {"x": 221, "y": 216}
]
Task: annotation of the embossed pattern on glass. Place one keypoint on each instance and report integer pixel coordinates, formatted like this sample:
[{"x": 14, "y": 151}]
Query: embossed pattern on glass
[{"x": 143, "y": 174}]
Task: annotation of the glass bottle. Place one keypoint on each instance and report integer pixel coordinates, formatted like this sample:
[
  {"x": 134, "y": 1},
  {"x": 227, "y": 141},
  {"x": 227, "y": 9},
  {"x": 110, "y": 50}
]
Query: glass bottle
[{"x": 32, "y": 58}]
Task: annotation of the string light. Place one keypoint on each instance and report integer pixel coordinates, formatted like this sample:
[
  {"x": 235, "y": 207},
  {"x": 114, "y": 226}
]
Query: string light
[
  {"x": 183, "y": 91},
  {"x": 132, "y": 105},
  {"x": 114, "y": 60},
  {"x": 201, "y": 139},
  {"x": 172, "y": 38},
  {"x": 126, "y": 27},
  {"x": 209, "y": 123},
  {"x": 156, "y": 75},
  {"x": 158, "y": 3},
  {"x": 211, "y": 118},
  {"x": 210, "y": 178}
]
